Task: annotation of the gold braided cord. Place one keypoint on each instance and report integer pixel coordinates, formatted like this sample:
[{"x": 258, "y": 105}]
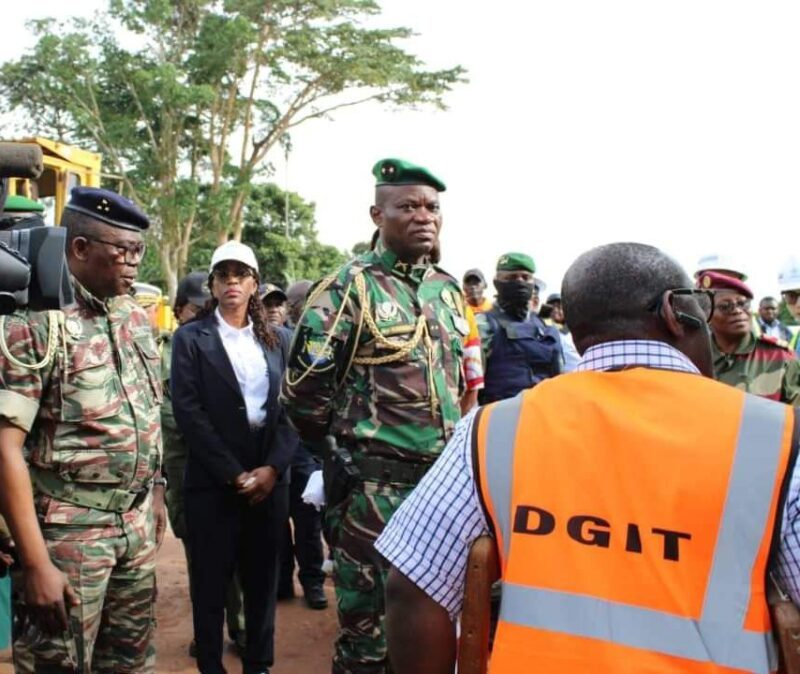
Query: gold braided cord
[
  {"x": 53, "y": 318},
  {"x": 312, "y": 298},
  {"x": 400, "y": 349}
]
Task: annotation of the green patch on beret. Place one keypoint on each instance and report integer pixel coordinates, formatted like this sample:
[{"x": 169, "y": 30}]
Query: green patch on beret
[
  {"x": 516, "y": 261},
  {"x": 16, "y": 203},
  {"x": 401, "y": 172}
]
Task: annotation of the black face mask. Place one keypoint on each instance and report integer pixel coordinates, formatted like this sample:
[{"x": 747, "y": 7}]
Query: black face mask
[{"x": 514, "y": 297}]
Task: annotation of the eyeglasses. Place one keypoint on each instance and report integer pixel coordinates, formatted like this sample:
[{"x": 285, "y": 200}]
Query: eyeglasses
[
  {"x": 730, "y": 307},
  {"x": 132, "y": 253},
  {"x": 238, "y": 272},
  {"x": 686, "y": 303}
]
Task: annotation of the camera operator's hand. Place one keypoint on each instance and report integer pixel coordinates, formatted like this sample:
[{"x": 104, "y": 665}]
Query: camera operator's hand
[{"x": 49, "y": 597}]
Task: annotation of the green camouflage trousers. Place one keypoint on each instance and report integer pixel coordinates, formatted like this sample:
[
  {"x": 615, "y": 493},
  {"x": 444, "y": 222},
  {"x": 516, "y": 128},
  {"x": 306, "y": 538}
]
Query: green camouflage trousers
[
  {"x": 112, "y": 630},
  {"x": 360, "y": 576}
]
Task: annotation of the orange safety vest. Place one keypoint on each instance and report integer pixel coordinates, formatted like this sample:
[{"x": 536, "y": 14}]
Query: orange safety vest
[{"x": 634, "y": 513}]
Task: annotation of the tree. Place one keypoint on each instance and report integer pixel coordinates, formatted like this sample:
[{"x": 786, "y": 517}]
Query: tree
[
  {"x": 187, "y": 118},
  {"x": 287, "y": 248}
]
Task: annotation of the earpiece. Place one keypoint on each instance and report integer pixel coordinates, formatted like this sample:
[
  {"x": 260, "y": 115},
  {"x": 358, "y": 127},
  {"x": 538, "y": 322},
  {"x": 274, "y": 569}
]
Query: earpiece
[{"x": 688, "y": 320}]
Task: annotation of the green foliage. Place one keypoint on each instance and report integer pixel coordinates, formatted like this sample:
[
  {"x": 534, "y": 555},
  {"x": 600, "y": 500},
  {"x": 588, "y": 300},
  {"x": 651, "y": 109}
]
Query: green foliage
[
  {"x": 187, "y": 117},
  {"x": 286, "y": 256}
]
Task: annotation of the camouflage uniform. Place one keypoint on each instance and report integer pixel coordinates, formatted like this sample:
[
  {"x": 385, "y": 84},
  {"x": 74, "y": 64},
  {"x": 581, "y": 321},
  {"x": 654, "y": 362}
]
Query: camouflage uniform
[
  {"x": 761, "y": 365},
  {"x": 175, "y": 454},
  {"x": 93, "y": 444},
  {"x": 392, "y": 409}
]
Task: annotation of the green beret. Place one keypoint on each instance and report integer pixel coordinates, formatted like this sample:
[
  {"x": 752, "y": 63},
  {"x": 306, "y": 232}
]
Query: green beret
[
  {"x": 401, "y": 172},
  {"x": 17, "y": 203},
  {"x": 516, "y": 261}
]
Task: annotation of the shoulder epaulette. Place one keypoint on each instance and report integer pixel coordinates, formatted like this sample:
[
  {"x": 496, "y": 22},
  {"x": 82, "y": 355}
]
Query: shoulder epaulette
[{"x": 774, "y": 341}]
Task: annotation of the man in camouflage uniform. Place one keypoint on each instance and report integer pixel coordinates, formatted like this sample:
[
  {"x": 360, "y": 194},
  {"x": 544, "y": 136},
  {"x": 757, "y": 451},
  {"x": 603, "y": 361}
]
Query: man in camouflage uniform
[
  {"x": 81, "y": 391},
  {"x": 376, "y": 363},
  {"x": 743, "y": 357}
]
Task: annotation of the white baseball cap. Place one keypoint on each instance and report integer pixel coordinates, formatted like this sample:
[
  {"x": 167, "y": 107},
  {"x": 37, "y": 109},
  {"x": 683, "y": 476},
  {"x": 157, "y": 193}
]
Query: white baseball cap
[{"x": 234, "y": 250}]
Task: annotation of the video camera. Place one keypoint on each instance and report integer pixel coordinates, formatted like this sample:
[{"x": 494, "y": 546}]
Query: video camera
[{"x": 33, "y": 266}]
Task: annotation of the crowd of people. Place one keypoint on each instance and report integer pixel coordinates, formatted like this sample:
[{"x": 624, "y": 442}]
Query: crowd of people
[{"x": 626, "y": 443}]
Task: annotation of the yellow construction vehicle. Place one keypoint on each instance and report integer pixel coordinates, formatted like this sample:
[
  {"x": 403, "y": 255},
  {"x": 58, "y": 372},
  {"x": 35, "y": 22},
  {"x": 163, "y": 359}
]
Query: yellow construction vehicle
[{"x": 65, "y": 167}]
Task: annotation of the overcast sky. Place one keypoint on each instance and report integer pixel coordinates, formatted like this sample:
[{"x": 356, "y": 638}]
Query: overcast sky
[{"x": 671, "y": 123}]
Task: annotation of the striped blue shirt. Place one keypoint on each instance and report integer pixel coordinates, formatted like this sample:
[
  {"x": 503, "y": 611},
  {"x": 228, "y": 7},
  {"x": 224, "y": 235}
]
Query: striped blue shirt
[{"x": 429, "y": 537}]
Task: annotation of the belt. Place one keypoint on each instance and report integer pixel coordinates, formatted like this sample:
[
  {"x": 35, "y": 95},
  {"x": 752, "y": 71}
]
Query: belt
[
  {"x": 87, "y": 495},
  {"x": 380, "y": 469}
]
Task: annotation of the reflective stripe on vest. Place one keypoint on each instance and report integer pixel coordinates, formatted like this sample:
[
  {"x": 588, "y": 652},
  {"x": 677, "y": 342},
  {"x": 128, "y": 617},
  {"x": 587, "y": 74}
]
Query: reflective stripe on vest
[{"x": 719, "y": 635}]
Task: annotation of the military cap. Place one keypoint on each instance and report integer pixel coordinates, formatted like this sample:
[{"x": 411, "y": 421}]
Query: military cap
[
  {"x": 267, "y": 289},
  {"x": 474, "y": 273},
  {"x": 108, "y": 207},
  {"x": 16, "y": 203},
  {"x": 401, "y": 172},
  {"x": 713, "y": 280},
  {"x": 193, "y": 289},
  {"x": 515, "y": 262}
]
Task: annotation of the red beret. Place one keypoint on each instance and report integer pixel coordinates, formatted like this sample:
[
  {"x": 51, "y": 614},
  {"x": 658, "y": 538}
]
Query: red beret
[{"x": 714, "y": 280}]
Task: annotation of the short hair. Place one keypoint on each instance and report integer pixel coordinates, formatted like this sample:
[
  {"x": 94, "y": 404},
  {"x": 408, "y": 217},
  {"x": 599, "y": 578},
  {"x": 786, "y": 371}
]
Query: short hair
[
  {"x": 78, "y": 224},
  {"x": 766, "y": 299},
  {"x": 608, "y": 291}
]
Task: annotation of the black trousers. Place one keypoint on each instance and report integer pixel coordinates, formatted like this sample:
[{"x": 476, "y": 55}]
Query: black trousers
[
  {"x": 307, "y": 543},
  {"x": 226, "y": 533}
]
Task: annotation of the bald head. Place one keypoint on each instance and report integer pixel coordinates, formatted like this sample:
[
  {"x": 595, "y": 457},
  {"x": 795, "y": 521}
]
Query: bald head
[{"x": 607, "y": 291}]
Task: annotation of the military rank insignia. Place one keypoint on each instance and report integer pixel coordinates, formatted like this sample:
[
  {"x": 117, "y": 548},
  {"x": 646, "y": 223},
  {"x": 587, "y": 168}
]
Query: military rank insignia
[
  {"x": 386, "y": 311},
  {"x": 74, "y": 327}
]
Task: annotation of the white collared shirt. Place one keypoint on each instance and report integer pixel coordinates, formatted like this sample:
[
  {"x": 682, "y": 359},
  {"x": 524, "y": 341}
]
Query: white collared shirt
[
  {"x": 249, "y": 365},
  {"x": 429, "y": 537}
]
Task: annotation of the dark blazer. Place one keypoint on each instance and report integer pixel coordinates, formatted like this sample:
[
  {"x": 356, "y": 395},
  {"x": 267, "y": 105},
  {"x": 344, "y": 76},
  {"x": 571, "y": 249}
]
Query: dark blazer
[{"x": 210, "y": 410}]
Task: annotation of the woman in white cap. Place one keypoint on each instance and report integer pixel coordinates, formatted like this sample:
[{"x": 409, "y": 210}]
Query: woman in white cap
[{"x": 226, "y": 371}]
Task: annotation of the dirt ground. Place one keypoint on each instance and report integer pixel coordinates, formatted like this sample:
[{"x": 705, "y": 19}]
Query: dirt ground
[{"x": 303, "y": 642}]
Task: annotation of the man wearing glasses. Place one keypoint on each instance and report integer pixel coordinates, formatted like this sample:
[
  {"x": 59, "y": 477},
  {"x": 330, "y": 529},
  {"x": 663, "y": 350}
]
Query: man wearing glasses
[
  {"x": 743, "y": 358},
  {"x": 633, "y": 533},
  {"x": 80, "y": 396}
]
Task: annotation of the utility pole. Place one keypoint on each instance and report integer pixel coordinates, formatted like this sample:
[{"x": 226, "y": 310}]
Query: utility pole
[{"x": 287, "y": 148}]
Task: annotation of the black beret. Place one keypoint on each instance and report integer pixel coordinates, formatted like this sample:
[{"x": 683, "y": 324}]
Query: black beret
[{"x": 109, "y": 207}]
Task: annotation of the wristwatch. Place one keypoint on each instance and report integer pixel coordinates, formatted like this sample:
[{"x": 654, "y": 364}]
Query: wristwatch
[{"x": 160, "y": 481}]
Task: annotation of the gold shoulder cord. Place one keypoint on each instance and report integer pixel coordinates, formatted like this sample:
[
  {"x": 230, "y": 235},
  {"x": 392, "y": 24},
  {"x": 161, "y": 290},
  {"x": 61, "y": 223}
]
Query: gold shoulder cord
[
  {"x": 55, "y": 320},
  {"x": 321, "y": 288},
  {"x": 401, "y": 349}
]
